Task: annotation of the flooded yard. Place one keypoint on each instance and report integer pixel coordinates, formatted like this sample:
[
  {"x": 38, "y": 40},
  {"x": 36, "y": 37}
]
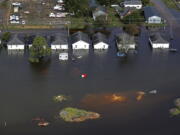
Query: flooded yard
[{"x": 27, "y": 92}]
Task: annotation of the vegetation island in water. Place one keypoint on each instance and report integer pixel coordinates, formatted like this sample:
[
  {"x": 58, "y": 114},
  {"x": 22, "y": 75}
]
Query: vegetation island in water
[
  {"x": 176, "y": 110},
  {"x": 70, "y": 114}
]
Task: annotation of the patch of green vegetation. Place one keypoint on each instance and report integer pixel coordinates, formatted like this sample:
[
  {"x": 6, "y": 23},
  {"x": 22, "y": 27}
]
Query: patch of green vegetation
[
  {"x": 137, "y": 17},
  {"x": 4, "y": 4},
  {"x": 171, "y": 4},
  {"x": 155, "y": 25},
  {"x": 69, "y": 113},
  {"x": 39, "y": 50},
  {"x": 175, "y": 111},
  {"x": 113, "y": 18},
  {"x": 79, "y": 22}
]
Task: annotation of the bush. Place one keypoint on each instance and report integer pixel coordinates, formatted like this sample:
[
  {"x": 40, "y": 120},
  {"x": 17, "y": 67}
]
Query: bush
[{"x": 132, "y": 29}]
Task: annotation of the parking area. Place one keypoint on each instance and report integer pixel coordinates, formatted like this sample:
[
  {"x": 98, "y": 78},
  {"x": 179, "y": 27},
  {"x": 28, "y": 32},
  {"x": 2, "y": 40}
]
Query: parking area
[{"x": 37, "y": 12}]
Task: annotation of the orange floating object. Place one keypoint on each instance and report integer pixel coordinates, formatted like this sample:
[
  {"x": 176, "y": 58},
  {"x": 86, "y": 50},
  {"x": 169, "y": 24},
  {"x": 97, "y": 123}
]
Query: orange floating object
[{"x": 140, "y": 95}]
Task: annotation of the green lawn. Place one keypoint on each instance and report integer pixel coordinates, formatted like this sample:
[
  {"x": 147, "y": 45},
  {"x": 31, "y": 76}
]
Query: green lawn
[{"x": 171, "y": 4}]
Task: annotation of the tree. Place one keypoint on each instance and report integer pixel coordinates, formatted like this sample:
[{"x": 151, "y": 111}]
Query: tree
[
  {"x": 109, "y": 2},
  {"x": 79, "y": 7},
  {"x": 101, "y": 21},
  {"x": 6, "y": 36},
  {"x": 39, "y": 49},
  {"x": 132, "y": 29},
  {"x": 145, "y": 2}
]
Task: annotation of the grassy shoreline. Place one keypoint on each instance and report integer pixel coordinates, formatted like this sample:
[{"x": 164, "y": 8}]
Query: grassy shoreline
[{"x": 171, "y": 4}]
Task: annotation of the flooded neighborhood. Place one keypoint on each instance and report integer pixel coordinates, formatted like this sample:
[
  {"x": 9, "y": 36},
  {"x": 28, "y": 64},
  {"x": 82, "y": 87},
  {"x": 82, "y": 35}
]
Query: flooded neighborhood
[{"x": 90, "y": 67}]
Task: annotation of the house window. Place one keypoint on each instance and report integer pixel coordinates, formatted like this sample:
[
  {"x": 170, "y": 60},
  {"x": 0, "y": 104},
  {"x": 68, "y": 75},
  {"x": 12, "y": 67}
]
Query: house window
[{"x": 84, "y": 46}]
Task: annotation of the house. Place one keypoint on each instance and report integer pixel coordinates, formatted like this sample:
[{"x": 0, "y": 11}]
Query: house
[
  {"x": 15, "y": 43},
  {"x": 152, "y": 16},
  {"x": 52, "y": 15},
  {"x": 133, "y": 4},
  {"x": 80, "y": 40},
  {"x": 125, "y": 42},
  {"x": 14, "y": 19},
  {"x": 100, "y": 11},
  {"x": 16, "y": 6},
  {"x": 60, "y": 42},
  {"x": 122, "y": 12},
  {"x": 100, "y": 41},
  {"x": 157, "y": 41}
]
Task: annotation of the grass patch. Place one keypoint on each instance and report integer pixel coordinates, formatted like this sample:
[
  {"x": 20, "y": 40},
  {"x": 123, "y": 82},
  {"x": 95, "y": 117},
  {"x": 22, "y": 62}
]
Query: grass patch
[{"x": 171, "y": 4}]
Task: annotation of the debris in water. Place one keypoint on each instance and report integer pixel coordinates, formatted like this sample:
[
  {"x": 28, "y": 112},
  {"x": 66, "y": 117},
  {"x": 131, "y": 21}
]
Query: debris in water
[
  {"x": 118, "y": 98},
  {"x": 60, "y": 98},
  {"x": 140, "y": 95},
  {"x": 153, "y": 92},
  {"x": 79, "y": 57},
  {"x": 43, "y": 123}
]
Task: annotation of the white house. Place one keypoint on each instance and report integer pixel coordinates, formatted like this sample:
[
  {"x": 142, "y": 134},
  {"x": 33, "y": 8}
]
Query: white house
[
  {"x": 133, "y": 4},
  {"x": 15, "y": 44},
  {"x": 52, "y": 15},
  {"x": 60, "y": 42},
  {"x": 152, "y": 16},
  {"x": 157, "y": 41},
  {"x": 80, "y": 40},
  {"x": 100, "y": 41},
  {"x": 14, "y": 19}
]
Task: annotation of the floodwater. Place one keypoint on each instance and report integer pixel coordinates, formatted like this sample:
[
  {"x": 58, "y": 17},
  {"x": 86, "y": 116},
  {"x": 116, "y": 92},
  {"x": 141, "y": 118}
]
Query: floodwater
[{"x": 26, "y": 91}]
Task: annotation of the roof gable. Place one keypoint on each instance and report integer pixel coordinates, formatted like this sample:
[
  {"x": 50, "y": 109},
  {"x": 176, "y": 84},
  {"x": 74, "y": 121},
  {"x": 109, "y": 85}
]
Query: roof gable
[
  {"x": 79, "y": 36},
  {"x": 15, "y": 41},
  {"x": 99, "y": 37}
]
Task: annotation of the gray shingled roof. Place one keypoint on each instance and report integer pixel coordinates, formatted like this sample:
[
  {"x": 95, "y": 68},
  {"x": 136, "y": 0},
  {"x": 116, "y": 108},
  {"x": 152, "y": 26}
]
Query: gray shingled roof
[
  {"x": 157, "y": 38},
  {"x": 132, "y": 2},
  {"x": 60, "y": 39},
  {"x": 15, "y": 41},
  {"x": 100, "y": 10},
  {"x": 125, "y": 38},
  {"x": 150, "y": 11},
  {"x": 79, "y": 36},
  {"x": 99, "y": 37}
]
